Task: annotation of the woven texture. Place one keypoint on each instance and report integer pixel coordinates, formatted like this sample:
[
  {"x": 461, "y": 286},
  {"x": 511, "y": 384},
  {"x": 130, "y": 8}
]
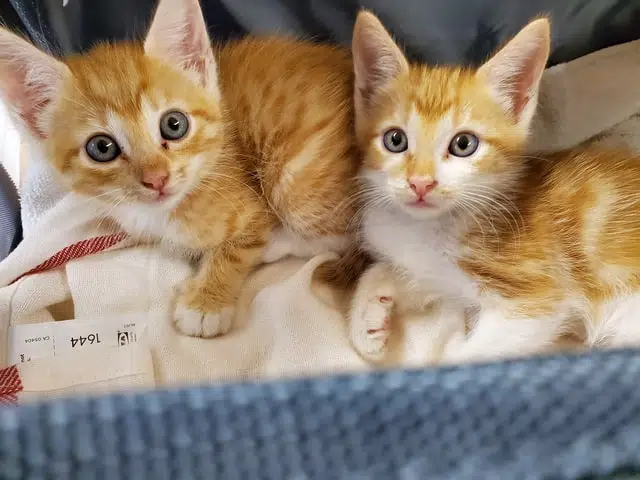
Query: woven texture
[
  {"x": 561, "y": 417},
  {"x": 77, "y": 250},
  {"x": 9, "y": 213}
]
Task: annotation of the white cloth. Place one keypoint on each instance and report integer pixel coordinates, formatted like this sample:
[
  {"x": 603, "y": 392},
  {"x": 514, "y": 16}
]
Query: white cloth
[{"x": 286, "y": 325}]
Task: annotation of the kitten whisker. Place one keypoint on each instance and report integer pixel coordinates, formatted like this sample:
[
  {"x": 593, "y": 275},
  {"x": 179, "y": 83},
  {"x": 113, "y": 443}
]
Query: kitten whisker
[
  {"x": 223, "y": 192},
  {"x": 492, "y": 205},
  {"x": 470, "y": 210}
]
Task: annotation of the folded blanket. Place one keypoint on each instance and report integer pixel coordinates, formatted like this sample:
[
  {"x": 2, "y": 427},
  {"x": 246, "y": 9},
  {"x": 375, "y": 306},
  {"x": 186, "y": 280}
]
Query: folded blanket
[{"x": 120, "y": 295}]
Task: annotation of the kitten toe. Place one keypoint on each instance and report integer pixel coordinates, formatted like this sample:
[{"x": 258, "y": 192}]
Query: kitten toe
[
  {"x": 218, "y": 323},
  {"x": 196, "y": 314},
  {"x": 195, "y": 323},
  {"x": 188, "y": 321},
  {"x": 370, "y": 329}
]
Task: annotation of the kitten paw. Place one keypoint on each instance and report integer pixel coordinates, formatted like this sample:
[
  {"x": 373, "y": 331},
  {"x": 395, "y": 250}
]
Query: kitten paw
[
  {"x": 195, "y": 323},
  {"x": 454, "y": 349},
  {"x": 371, "y": 327}
]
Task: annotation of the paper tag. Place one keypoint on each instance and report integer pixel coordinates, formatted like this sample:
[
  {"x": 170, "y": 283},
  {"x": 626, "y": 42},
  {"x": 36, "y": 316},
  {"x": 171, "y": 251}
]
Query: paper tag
[{"x": 41, "y": 340}]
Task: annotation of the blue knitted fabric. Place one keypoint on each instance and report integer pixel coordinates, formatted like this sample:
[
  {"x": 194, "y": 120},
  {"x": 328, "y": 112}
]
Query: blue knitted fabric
[{"x": 554, "y": 418}]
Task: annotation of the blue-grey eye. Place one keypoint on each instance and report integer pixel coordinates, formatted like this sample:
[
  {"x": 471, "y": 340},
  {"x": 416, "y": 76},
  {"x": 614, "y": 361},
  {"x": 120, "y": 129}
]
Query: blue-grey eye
[
  {"x": 174, "y": 125},
  {"x": 464, "y": 145},
  {"x": 102, "y": 148},
  {"x": 395, "y": 140}
]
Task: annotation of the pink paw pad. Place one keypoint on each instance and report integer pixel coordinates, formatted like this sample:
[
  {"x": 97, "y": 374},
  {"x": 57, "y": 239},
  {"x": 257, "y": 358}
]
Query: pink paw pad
[
  {"x": 385, "y": 299},
  {"x": 386, "y": 326}
]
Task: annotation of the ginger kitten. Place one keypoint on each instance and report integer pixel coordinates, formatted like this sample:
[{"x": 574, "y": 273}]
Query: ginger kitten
[
  {"x": 199, "y": 148},
  {"x": 535, "y": 247}
]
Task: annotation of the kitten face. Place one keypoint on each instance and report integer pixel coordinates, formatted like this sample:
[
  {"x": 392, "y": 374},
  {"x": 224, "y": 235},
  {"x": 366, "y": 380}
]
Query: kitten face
[
  {"x": 437, "y": 141},
  {"x": 126, "y": 128},
  {"x": 127, "y": 124}
]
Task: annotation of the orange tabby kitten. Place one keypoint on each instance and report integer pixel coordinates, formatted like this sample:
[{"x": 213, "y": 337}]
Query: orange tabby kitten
[
  {"x": 536, "y": 247},
  {"x": 202, "y": 149}
]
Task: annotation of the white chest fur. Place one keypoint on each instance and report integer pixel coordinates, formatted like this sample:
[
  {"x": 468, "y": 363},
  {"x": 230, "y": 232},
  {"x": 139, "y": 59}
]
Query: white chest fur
[
  {"x": 152, "y": 223},
  {"x": 426, "y": 252}
]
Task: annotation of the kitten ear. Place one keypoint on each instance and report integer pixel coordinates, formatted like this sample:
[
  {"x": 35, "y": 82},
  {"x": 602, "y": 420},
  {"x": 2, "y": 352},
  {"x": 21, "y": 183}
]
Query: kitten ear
[
  {"x": 29, "y": 81},
  {"x": 513, "y": 74},
  {"x": 178, "y": 35},
  {"x": 377, "y": 59}
]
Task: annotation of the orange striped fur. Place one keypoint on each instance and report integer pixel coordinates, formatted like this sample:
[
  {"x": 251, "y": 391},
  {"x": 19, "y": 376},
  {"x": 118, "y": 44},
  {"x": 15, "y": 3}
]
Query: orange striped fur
[{"x": 270, "y": 145}]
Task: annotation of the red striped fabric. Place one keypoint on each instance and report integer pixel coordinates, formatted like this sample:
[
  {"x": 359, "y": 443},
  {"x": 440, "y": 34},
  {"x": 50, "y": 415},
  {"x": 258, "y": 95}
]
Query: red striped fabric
[
  {"x": 77, "y": 250},
  {"x": 10, "y": 385}
]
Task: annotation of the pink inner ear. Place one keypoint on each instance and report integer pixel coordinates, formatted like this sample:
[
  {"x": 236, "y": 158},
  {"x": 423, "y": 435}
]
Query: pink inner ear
[
  {"x": 522, "y": 88},
  {"x": 198, "y": 64},
  {"x": 30, "y": 116},
  {"x": 514, "y": 73},
  {"x": 192, "y": 49},
  {"x": 26, "y": 101}
]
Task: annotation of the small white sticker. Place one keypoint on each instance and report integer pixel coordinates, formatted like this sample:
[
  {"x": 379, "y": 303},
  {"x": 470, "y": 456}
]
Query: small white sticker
[{"x": 41, "y": 340}]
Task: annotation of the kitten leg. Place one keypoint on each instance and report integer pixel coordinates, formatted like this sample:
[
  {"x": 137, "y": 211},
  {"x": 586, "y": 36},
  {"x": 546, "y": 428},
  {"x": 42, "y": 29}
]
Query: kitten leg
[
  {"x": 370, "y": 313},
  {"x": 283, "y": 243},
  {"x": 206, "y": 303},
  {"x": 619, "y": 325},
  {"x": 496, "y": 336}
]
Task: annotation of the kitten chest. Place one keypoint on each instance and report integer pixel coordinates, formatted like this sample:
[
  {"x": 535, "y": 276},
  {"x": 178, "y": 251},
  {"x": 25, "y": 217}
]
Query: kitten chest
[
  {"x": 426, "y": 253},
  {"x": 148, "y": 223}
]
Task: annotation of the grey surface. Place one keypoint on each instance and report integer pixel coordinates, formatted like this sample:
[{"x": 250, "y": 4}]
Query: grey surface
[
  {"x": 9, "y": 214},
  {"x": 438, "y": 31},
  {"x": 555, "y": 418}
]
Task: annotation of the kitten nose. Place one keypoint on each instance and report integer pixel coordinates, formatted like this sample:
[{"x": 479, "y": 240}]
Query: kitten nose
[
  {"x": 155, "y": 180},
  {"x": 422, "y": 185}
]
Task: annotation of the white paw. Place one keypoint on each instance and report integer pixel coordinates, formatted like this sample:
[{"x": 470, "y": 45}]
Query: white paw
[
  {"x": 460, "y": 351},
  {"x": 454, "y": 349},
  {"x": 194, "y": 323},
  {"x": 371, "y": 327}
]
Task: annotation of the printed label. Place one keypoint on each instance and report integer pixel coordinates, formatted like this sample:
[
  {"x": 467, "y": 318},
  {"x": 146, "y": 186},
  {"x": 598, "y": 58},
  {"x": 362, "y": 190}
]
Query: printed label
[{"x": 42, "y": 340}]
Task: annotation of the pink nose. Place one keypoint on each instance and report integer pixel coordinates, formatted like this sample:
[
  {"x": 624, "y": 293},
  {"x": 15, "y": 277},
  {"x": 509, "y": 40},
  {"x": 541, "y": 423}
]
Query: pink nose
[
  {"x": 155, "y": 180},
  {"x": 422, "y": 185}
]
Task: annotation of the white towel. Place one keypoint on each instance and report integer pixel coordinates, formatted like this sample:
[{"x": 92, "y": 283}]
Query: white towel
[{"x": 286, "y": 324}]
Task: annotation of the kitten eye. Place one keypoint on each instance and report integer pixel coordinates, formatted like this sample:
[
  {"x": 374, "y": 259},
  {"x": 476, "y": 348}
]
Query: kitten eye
[
  {"x": 102, "y": 148},
  {"x": 395, "y": 140},
  {"x": 174, "y": 125},
  {"x": 463, "y": 145}
]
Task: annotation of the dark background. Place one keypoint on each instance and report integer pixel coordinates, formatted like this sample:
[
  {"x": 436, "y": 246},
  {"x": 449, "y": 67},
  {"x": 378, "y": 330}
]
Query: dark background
[{"x": 437, "y": 31}]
